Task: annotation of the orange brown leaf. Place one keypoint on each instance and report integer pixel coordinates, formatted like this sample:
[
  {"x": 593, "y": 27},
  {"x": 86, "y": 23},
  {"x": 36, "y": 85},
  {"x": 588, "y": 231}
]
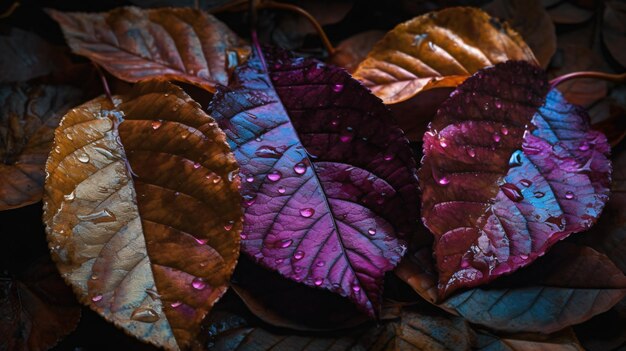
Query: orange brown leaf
[
  {"x": 143, "y": 211},
  {"x": 438, "y": 49},
  {"x": 176, "y": 43}
]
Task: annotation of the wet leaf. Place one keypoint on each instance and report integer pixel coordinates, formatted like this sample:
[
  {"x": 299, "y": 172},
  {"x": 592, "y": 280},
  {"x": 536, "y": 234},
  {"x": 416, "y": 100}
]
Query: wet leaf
[
  {"x": 531, "y": 21},
  {"x": 27, "y": 121},
  {"x": 175, "y": 43},
  {"x": 329, "y": 183},
  {"x": 509, "y": 169},
  {"x": 142, "y": 211},
  {"x": 37, "y": 308},
  {"x": 438, "y": 49},
  {"x": 614, "y": 30},
  {"x": 569, "y": 286},
  {"x": 26, "y": 56}
]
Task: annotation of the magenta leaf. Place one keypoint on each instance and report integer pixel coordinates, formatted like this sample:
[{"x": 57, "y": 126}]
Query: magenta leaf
[
  {"x": 509, "y": 169},
  {"x": 329, "y": 184}
]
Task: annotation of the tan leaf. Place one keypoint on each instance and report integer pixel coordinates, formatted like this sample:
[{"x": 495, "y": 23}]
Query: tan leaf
[
  {"x": 28, "y": 116},
  {"x": 143, "y": 211},
  {"x": 176, "y": 43},
  {"x": 438, "y": 49},
  {"x": 37, "y": 308}
]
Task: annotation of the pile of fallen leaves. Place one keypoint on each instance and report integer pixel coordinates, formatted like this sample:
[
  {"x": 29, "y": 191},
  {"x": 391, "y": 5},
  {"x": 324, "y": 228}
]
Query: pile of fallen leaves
[{"x": 445, "y": 177}]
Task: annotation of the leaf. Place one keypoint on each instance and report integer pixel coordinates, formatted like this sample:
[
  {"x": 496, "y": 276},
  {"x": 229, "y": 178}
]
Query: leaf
[
  {"x": 329, "y": 181},
  {"x": 569, "y": 286},
  {"x": 606, "y": 331},
  {"x": 175, "y": 43},
  {"x": 561, "y": 341},
  {"x": 26, "y": 56},
  {"x": 351, "y": 51},
  {"x": 531, "y": 21},
  {"x": 202, "y": 4},
  {"x": 614, "y": 30},
  {"x": 27, "y": 121},
  {"x": 142, "y": 211},
  {"x": 37, "y": 308},
  {"x": 270, "y": 297},
  {"x": 438, "y": 49},
  {"x": 509, "y": 169},
  {"x": 567, "y": 13}
]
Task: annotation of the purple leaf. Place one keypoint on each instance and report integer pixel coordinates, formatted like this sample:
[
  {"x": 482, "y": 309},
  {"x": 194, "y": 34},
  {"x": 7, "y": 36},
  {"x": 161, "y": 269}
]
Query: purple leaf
[
  {"x": 329, "y": 183},
  {"x": 509, "y": 169}
]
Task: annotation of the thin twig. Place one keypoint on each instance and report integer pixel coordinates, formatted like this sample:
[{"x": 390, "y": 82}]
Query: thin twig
[
  {"x": 617, "y": 78},
  {"x": 320, "y": 31},
  {"x": 105, "y": 84}
]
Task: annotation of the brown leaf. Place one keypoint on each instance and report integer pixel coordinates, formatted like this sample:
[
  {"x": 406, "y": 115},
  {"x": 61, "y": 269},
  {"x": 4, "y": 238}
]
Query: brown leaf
[
  {"x": 143, "y": 212},
  {"x": 438, "y": 49},
  {"x": 564, "y": 340},
  {"x": 176, "y": 43},
  {"x": 37, "y": 309},
  {"x": 614, "y": 30},
  {"x": 26, "y": 56},
  {"x": 27, "y": 120},
  {"x": 567, "y": 13},
  {"x": 350, "y": 52},
  {"x": 531, "y": 21}
]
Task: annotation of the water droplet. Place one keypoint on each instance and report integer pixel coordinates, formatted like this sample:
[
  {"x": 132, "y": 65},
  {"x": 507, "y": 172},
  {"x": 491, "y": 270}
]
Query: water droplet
[
  {"x": 523, "y": 257},
  {"x": 198, "y": 283},
  {"x": 496, "y": 137},
  {"x": 498, "y": 105},
  {"x": 274, "y": 176},
  {"x": 96, "y": 298},
  {"x": 539, "y": 194},
  {"x": 512, "y": 192},
  {"x": 318, "y": 281},
  {"x": 504, "y": 131},
  {"x": 439, "y": 177},
  {"x": 229, "y": 225},
  {"x": 418, "y": 39},
  {"x": 243, "y": 236},
  {"x": 471, "y": 152},
  {"x": 337, "y": 88},
  {"x": 371, "y": 231},
  {"x": 281, "y": 189},
  {"x": 526, "y": 182},
  {"x": 516, "y": 158},
  {"x": 443, "y": 180},
  {"x": 70, "y": 196},
  {"x": 307, "y": 212},
  {"x": 334, "y": 122},
  {"x": 584, "y": 146},
  {"x": 94, "y": 277},
  {"x": 69, "y": 136},
  {"x": 356, "y": 288},
  {"x": 196, "y": 165},
  {"x": 569, "y": 195},
  {"x": 286, "y": 243},
  {"x": 388, "y": 157},
  {"x": 176, "y": 304},
  {"x": 320, "y": 263},
  {"x": 249, "y": 179},
  {"x": 201, "y": 241},
  {"x": 299, "y": 168},
  {"x": 84, "y": 158},
  {"x": 298, "y": 255},
  {"x": 156, "y": 124},
  {"x": 98, "y": 217},
  {"x": 216, "y": 179},
  {"x": 146, "y": 315}
]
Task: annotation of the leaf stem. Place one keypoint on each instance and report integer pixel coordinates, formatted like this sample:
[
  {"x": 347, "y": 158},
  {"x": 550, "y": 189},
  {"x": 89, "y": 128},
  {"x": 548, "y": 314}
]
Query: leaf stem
[
  {"x": 105, "y": 83},
  {"x": 288, "y": 7},
  {"x": 617, "y": 78}
]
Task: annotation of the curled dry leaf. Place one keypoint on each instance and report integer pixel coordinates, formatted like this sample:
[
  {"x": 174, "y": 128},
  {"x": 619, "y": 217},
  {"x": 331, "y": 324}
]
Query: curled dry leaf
[
  {"x": 176, "y": 43},
  {"x": 509, "y": 169},
  {"x": 28, "y": 117},
  {"x": 143, "y": 212},
  {"x": 329, "y": 182},
  {"x": 26, "y": 56},
  {"x": 37, "y": 308},
  {"x": 531, "y": 21},
  {"x": 438, "y": 49},
  {"x": 569, "y": 286}
]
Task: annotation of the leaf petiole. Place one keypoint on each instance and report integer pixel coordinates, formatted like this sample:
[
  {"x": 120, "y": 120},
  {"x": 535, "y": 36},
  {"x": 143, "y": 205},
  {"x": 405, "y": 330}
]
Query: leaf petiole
[{"x": 617, "y": 78}]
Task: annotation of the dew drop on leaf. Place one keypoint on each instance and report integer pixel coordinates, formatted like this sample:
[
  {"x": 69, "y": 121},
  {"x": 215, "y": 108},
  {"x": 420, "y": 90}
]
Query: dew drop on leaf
[
  {"x": 299, "y": 168},
  {"x": 274, "y": 176},
  {"x": 198, "y": 283},
  {"x": 84, "y": 158},
  {"x": 156, "y": 124},
  {"x": 307, "y": 212},
  {"x": 96, "y": 298},
  {"x": 512, "y": 192},
  {"x": 176, "y": 304},
  {"x": 298, "y": 255},
  {"x": 286, "y": 243},
  {"x": 539, "y": 194},
  {"x": 146, "y": 315},
  {"x": 516, "y": 158},
  {"x": 318, "y": 281}
]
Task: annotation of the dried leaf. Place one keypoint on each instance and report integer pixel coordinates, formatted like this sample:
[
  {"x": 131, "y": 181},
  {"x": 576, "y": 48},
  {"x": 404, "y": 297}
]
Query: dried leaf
[
  {"x": 531, "y": 21},
  {"x": 564, "y": 340},
  {"x": 26, "y": 56},
  {"x": 509, "y": 169},
  {"x": 176, "y": 43},
  {"x": 142, "y": 211},
  {"x": 569, "y": 286},
  {"x": 330, "y": 182},
  {"x": 37, "y": 308},
  {"x": 438, "y": 49},
  {"x": 27, "y": 121},
  {"x": 614, "y": 30},
  {"x": 567, "y": 13},
  {"x": 350, "y": 52}
]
